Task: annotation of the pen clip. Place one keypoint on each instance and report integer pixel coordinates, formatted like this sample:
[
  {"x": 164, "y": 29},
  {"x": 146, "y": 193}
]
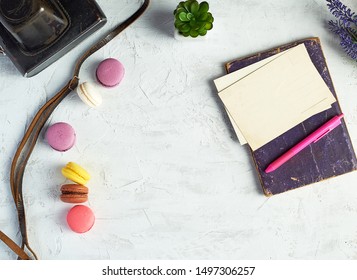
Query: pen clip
[{"x": 322, "y": 135}]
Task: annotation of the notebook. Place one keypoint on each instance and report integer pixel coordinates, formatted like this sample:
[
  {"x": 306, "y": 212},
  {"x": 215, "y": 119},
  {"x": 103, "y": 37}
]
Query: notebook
[{"x": 331, "y": 156}]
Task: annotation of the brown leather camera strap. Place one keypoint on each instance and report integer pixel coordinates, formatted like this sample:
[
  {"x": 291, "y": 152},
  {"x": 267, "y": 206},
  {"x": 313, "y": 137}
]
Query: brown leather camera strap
[{"x": 30, "y": 138}]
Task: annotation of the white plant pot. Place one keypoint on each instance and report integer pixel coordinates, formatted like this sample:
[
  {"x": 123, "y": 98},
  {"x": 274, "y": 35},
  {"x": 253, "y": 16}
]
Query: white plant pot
[{"x": 180, "y": 37}]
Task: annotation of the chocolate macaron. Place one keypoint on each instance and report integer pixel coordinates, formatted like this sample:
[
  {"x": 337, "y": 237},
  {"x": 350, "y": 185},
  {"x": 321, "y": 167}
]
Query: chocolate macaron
[{"x": 74, "y": 193}]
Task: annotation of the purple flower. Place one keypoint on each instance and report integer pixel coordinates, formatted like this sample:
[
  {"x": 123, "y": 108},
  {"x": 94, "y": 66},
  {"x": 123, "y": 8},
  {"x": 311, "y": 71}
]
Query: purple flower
[{"x": 344, "y": 27}]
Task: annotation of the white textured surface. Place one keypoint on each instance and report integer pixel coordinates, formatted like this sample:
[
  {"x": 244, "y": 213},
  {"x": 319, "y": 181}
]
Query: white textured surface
[{"x": 170, "y": 180}]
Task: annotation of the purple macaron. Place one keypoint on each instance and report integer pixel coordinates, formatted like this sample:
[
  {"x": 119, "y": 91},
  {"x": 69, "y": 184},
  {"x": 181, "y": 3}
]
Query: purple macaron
[
  {"x": 61, "y": 136},
  {"x": 110, "y": 72}
]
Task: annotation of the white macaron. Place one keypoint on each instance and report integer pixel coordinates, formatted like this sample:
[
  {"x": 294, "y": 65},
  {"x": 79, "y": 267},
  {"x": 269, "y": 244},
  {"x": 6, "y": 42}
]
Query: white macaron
[{"x": 89, "y": 94}]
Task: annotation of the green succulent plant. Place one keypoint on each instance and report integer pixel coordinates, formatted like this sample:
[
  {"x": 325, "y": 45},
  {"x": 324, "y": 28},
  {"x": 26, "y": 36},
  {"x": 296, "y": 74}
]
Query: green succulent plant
[{"x": 193, "y": 19}]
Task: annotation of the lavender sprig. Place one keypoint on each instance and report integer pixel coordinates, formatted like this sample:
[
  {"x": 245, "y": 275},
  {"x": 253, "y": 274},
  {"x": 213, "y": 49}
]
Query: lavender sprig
[
  {"x": 344, "y": 27},
  {"x": 342, "y": 12}
]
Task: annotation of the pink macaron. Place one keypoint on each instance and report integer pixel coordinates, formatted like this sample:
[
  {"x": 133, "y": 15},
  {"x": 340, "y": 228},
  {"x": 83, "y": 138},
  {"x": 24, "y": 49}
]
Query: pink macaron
[
  {"x": 61, "y": 136},
  {"x": 110, "y": 72},
  {"x": 80, "y": 218}
]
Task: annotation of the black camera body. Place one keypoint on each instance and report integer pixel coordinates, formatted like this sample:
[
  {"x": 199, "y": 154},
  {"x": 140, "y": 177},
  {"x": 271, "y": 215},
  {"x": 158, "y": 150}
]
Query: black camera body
[{"x": 35, "y": 33}]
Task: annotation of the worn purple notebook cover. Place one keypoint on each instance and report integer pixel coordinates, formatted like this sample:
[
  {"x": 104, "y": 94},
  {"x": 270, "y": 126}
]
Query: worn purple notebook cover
[{"x": 331, "y": 156}]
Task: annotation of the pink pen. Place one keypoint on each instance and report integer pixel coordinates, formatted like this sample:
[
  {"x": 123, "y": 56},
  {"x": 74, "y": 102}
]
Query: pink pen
[{"x": 312, "y": 138}]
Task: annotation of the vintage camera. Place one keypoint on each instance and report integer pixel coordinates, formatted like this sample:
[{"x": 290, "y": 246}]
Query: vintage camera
[{"x": 35, "y": 33}]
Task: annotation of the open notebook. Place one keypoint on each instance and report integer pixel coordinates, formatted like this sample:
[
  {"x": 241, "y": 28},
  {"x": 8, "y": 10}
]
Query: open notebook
[
  {"x": 331, "y": 156},
  {"x": 274, "y": 95}
]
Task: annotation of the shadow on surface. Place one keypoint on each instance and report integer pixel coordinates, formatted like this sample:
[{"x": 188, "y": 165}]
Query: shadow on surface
[{"x": 163, "y": 21}]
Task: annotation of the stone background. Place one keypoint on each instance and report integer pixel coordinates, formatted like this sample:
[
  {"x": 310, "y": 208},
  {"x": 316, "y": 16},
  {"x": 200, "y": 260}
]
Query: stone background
[{"x": 169, "y": 178}]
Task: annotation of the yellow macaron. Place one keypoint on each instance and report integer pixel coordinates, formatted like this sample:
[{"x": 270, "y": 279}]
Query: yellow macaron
[{"x": 75, "y": 173}]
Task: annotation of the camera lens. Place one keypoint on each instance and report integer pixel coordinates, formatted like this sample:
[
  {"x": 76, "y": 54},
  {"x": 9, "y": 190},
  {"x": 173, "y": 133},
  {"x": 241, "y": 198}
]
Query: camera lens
[
  {"x": 34, "y": 24},
  {"x": 16, "y": 10}
]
